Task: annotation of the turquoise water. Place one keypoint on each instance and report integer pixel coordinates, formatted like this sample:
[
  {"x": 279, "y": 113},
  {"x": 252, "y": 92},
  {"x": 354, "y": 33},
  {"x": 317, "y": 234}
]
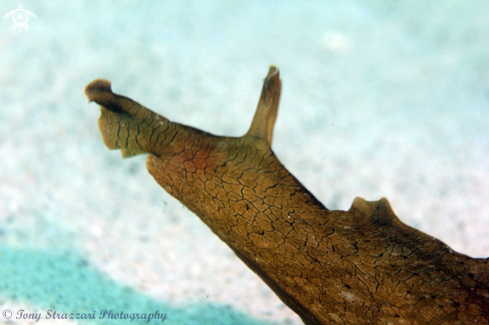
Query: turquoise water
[{"x": 66, "y": 284}]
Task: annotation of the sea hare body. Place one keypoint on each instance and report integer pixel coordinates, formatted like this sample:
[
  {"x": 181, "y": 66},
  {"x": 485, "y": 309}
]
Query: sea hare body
[{"x": 358, "y": 266}]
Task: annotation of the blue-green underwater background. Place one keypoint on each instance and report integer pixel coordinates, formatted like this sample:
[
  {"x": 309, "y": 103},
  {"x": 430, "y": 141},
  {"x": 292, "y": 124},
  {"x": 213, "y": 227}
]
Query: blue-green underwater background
[
  {"x": 65, "y": 284},
  {"x": 380, "y": 98}
]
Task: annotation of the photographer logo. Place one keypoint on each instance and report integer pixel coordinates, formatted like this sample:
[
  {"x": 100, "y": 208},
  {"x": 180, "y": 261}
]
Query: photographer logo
[{"x": 20, "y": 16}]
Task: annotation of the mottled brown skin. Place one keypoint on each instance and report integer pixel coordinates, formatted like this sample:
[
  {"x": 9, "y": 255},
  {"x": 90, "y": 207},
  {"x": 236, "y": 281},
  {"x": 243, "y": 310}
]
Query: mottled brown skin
[{"x": 361, "y": 266}]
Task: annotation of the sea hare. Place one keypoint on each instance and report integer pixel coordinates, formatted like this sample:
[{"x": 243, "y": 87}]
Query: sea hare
[{"x": 361, "y": 266}]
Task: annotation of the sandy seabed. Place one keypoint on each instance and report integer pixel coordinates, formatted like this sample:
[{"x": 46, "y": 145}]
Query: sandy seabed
[{"x": 379, "y": 99}]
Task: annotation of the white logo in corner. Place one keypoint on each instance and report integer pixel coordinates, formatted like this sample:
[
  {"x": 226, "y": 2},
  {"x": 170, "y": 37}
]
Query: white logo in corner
[{"x": 20, "y": 17}]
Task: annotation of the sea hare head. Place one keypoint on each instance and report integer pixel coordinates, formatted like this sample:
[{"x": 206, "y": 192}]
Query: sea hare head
[{"x": 331, "y": 267}]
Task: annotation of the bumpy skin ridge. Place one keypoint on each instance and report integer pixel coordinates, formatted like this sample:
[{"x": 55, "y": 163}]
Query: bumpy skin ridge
[{"x": 361, "y": 266}]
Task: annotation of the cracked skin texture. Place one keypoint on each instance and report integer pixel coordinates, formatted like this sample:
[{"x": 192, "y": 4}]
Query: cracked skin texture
[{"x": 361, "y": 266}]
